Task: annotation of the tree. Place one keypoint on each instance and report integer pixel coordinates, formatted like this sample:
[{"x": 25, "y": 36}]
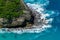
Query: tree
[{"x": 10, "y": 9}]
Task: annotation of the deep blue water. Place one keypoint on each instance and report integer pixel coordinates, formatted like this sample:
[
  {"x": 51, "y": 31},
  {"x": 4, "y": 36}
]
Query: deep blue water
[
  {"x": 54, "y": 5},
  {"x": 49, "y": 34}
]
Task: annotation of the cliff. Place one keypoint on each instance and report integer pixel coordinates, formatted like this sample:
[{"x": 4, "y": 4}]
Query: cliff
[{"x": 17, "y": 14}]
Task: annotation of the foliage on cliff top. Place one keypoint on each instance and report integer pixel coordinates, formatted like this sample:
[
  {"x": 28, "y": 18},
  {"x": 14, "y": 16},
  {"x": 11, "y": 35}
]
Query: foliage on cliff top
[{"x": 10, "y": 8}]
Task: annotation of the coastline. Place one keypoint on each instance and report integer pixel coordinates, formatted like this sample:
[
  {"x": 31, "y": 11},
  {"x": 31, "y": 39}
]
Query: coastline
[{"x": 35, "y": 28}]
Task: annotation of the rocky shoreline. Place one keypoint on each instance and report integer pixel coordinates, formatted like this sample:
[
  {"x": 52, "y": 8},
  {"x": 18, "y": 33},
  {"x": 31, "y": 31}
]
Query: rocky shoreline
[
  {"x": 21, "y": 21},
  {"x": 30, "y": 20},
  {"x": 34, "y": 28}
]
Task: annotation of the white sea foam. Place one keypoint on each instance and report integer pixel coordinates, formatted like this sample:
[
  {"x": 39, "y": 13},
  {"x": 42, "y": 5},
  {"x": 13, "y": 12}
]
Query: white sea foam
[{"x": 41, "y": 10}]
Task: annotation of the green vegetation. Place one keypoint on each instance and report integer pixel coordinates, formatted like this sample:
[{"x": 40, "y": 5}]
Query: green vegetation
[{"x": 10, "y": 9}]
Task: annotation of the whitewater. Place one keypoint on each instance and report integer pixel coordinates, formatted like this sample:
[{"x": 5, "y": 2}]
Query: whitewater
[{"x": 40, "y": 8}]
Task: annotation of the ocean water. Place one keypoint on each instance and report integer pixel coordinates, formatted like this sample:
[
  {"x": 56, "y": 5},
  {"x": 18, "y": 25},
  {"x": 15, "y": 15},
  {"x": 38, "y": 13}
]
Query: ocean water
[{"x": 52, "y": 8}]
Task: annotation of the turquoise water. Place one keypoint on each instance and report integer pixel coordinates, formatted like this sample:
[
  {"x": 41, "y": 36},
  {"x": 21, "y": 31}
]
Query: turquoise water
[{"x": 49, "y": 34}]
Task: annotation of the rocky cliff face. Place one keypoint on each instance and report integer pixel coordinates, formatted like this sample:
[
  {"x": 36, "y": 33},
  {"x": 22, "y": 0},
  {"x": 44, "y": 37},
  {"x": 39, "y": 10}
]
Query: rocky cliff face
[{"x": 20, "y": 21}]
